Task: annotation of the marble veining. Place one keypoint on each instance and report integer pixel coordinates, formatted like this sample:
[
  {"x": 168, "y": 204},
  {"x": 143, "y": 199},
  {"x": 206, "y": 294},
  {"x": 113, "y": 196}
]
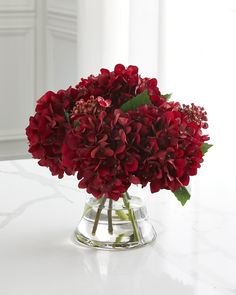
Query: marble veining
[{"x": 194, "y": 252}]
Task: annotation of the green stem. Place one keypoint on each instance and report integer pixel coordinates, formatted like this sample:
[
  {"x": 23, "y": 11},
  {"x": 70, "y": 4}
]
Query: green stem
[
  {"x": 131, "y": 216},
  {"x": 97, "y": 217},
  {"x": 121, "y": 214},
  {"x": 109, "y": 215}
]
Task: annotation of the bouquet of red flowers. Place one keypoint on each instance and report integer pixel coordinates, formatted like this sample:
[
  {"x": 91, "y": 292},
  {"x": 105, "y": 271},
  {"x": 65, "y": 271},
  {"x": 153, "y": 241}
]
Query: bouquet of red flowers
[{"x": 116, "y": 129}]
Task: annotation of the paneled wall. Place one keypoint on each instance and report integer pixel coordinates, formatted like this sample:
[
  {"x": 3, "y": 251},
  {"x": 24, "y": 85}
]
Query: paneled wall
[
  {"x": 61, "y": 32},
  {"x": 17, "y": 74},
  {"x": 37, "y": 53}
]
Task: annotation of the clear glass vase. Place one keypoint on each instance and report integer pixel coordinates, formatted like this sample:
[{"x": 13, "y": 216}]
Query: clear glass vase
[{"x": 121, "y": 224}]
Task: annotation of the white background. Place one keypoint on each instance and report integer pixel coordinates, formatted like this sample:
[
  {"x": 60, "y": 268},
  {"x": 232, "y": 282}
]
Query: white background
[{"x": 199, "y": 65}]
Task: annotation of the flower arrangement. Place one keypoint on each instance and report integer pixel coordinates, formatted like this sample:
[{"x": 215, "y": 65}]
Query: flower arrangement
[{"x": 117, "y": 129}]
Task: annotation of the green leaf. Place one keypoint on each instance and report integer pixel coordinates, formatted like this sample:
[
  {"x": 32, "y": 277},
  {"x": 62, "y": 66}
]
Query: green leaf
[
  {"x": 182, "y": 195},
  {"x": 135, "y": 102},
  {"x": 205, "y": 147},
  {"x": 166, "y": 96},
  {"x": 67, "y": 115},
  {"x": 119, "y": 238},
  {"x": 121, "y": 214},
  {"x": 76, "y": 124}
]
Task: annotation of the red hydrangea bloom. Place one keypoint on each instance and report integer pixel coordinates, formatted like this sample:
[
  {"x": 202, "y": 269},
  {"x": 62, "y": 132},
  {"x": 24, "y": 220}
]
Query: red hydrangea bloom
[
  {"x": 160, "y": 146},
  {"x": 98, "y": 150},
  {"x": 169, "y": 145},
  {"x": 119, "y": 86},
  {"x": 47, "y": 128},
  {"x": 83, "y": 130}
]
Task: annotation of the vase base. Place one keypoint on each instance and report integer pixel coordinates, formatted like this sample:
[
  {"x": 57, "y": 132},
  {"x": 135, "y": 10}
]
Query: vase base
[{"x": 80, "y": 239}]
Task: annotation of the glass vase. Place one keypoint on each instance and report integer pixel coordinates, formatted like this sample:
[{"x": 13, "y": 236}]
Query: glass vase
[{"x": 108, "y": 224}]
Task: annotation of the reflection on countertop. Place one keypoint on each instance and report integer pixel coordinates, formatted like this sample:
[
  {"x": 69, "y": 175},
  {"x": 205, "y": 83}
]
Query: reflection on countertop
[{"x": 194, "y": 252}]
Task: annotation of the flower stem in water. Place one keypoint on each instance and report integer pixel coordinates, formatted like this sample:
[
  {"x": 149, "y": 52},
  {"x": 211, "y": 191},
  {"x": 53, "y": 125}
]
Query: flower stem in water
[
  {"x": 97, "y": 217},
  {"x": 131, "y": 216},
  {"x": 109, "y": 215}
]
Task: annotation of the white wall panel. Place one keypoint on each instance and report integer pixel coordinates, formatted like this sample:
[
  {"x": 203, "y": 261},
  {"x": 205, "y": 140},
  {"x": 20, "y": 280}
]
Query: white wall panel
[
  {"x": 62, "y": 58},
  {"x": 16, "y": 5},
  {"x": 17, "y": 75},
  {"x": 17, "y": 46},
  {"x": 38, "y": 49},
  {"x": 62, "y": 6},
  {"x": 61, "y": 44}
]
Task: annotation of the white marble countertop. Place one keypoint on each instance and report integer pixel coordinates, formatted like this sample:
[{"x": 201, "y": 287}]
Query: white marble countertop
[{"x": 194, "y": 252}]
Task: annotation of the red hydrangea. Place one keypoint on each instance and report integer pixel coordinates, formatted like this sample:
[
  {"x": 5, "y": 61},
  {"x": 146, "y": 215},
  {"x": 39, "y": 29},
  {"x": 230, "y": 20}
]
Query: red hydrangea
[
  {"x": 99, "y": 151},
  {"x": 83, "y": 131},
  {"x": 47, "y": 129},
  {"x": 119, "y": 86},
  {"x": 169, "y": 145}
]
